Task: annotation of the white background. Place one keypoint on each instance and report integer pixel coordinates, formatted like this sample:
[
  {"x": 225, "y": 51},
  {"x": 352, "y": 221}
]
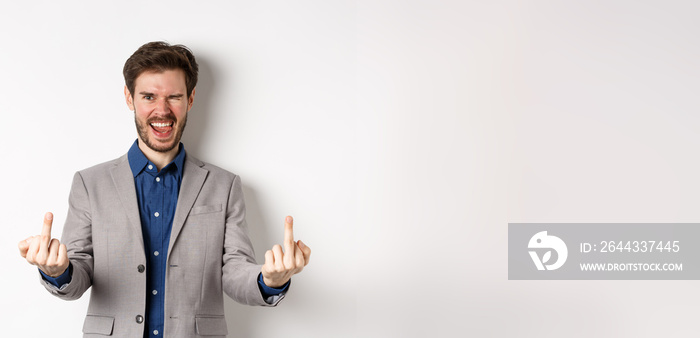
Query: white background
[{"x": 403, "y": 136}]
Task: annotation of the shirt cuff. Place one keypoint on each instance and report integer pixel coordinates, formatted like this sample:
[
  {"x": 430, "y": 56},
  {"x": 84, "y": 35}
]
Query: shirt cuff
[
  {"x": 267, "y": 291},
  {"x": 61, "y": 280}
]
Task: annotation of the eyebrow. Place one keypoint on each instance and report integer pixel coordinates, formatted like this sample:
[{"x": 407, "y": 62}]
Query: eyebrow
[{"x": 151, "y": 94}]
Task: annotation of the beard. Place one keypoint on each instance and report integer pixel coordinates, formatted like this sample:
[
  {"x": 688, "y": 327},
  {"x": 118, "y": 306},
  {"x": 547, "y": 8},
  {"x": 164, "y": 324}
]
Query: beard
[{"x": 144, "y": 128}]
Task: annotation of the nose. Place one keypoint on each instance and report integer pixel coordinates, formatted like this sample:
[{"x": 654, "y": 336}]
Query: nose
[{"x": 162, "y": 106}]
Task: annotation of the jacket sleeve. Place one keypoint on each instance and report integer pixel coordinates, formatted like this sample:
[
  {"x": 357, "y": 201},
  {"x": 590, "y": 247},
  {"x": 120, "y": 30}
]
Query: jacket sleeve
[
  {"x": 77, "y": 236},
  {"x": 240, "y": 271}
]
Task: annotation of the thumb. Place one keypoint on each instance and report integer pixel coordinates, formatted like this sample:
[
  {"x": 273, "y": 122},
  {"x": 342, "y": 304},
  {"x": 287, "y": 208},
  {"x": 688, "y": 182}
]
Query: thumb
[{"x": 23, "y": 246}]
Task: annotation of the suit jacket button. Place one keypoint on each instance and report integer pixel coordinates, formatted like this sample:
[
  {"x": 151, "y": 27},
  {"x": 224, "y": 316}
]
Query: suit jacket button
[
  {"x": 139, "y": 319},
  {"x": 141, "y": 268}
]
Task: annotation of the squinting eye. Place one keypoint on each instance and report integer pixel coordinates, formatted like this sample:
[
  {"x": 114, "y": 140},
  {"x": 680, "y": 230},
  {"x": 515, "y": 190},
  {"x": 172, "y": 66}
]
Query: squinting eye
[{"x": 147, "y": 97}]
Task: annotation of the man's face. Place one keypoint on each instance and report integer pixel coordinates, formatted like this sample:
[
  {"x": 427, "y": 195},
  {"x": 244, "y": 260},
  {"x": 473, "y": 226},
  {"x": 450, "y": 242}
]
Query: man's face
[{"x": 160, "y": 104}]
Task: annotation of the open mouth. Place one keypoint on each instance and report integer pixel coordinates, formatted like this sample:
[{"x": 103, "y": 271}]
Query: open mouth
[{"x": 162, "y": 129}]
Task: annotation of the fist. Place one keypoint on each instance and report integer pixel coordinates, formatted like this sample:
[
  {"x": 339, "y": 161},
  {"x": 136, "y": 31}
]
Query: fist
[
  {"x": 48, "y": 254},
  {"x": 280, "y": 266}
]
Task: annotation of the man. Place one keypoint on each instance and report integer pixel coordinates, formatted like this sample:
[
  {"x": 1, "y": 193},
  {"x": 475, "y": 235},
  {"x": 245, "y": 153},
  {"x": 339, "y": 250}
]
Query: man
[{"x": 157, "y": 233}]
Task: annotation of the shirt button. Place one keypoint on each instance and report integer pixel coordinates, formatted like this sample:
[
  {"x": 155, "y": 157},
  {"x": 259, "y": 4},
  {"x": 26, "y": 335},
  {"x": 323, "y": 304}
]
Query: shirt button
[
  {"x": 141, "y": 268},
  {"x": 155, "y": 292},
  {"x": 155, "y": 332},
  {"x": 156, "y": 253},
  {"x": 157, "y": 179},
  {"x": 150, "y": 167},
  {"x": 139, "y": 319},
  {"x": 156, "y": 214}
]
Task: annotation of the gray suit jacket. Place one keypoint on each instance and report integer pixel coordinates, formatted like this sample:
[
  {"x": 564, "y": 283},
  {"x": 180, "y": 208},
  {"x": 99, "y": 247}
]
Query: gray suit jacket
[{"x": 209, "y": 252}]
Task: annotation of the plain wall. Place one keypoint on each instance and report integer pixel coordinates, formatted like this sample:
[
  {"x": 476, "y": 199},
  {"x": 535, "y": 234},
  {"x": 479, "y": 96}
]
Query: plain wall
[{"x": 403, "y": 136}]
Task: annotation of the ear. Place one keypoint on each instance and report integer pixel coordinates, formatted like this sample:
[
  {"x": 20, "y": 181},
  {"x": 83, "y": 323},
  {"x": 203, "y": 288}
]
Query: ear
[
  {"x": 190, "y": 99},
  {"x": 129, "y": 98}
]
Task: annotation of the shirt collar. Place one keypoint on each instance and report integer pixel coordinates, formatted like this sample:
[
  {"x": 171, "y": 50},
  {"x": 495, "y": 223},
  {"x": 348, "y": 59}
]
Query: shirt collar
[{"x": 138, "y": 161}]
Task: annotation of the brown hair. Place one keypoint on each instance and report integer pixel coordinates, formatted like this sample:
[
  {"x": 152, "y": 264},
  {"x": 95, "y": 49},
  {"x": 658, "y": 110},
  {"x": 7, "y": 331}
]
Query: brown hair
[{"x": 160, "y": 56}]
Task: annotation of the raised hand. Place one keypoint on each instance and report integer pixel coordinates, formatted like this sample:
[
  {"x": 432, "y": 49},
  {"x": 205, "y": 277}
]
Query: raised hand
[
  {"x": 46, "y": 253},
  {"x": 280, "y": 266}
]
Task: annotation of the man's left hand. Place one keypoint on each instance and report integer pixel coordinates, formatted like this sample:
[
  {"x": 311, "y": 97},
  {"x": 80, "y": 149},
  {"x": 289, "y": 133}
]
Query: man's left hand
[{"x": 280, "y": 266}]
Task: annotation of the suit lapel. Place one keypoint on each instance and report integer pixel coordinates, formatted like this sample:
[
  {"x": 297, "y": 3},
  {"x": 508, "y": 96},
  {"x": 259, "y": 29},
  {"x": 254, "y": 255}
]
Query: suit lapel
[
  {"x": 123, "y": 180},
  {"x": 193, "y": 176}
]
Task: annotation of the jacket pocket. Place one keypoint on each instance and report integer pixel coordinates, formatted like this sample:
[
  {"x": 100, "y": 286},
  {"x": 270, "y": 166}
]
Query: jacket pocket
[
  {"x": 203, "y": 209},
  {"x": 98, "y": 324},
  {"x": 210, "y": 325}
]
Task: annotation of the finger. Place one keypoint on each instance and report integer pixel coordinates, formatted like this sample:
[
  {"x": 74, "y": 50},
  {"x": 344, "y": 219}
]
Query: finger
[
  {"x": 269, "y": 265},
  {"x": 46, "y": 231},
  {"x": 306, "y": 250},
  {"x": 299, "y": 258},
  {"x": 53, "y": 252},
  {"x": 269, "y": 258},
  {"x": 23, "y": 246},
  {"x": 33, "y": 250},
  {"x": 62, "y": 255},
  {"x": 289, "y": 242},
  {"x": 279, "y": 256},
  {"x": 289, "y": 233}
]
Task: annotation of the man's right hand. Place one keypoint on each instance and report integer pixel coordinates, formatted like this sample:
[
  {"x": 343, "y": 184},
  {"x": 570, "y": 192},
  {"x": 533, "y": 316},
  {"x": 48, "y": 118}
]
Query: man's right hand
[{"x": 48, "y": 254}]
